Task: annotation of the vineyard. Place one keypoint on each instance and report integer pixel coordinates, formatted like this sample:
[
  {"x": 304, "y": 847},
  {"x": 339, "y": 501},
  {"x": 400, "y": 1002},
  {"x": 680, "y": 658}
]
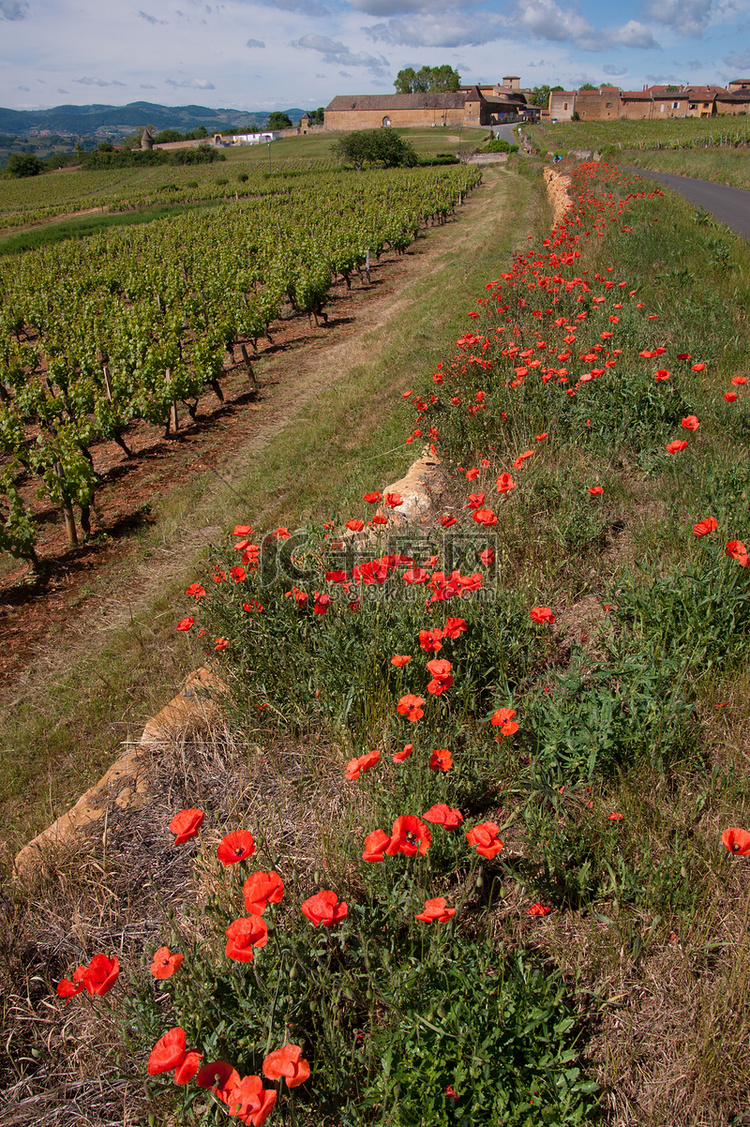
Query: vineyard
[{"x": 132, "y": 326}]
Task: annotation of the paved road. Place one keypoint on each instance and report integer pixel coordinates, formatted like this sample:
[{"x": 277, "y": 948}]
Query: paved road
[{"x": 727, "y": 205}]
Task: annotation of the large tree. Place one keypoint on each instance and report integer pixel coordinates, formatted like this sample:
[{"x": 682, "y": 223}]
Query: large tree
[
  {"x": 278, "y": 120},
  {"x": 375, "y": 146},
  {"x": 433, "y": 80}
]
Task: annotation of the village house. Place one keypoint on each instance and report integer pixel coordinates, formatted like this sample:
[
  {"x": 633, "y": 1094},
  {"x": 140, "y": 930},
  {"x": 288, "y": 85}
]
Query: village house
[
  {"x": 470, "y": 105},
  {"x": 652, "y": 103}
]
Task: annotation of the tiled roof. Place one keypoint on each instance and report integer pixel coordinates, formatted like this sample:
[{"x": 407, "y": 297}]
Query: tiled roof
[{"x": 398, "y": 102}]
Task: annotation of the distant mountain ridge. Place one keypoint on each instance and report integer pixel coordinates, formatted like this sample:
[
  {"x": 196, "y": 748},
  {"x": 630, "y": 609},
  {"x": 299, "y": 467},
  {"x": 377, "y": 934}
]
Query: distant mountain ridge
[{"x": 101, "y": 120}]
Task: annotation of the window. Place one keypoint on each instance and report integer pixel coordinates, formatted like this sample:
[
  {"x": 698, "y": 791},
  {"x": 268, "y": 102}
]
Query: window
[
  {"x": 565, "y": 105},
  {"x": 609, "y": 104},
  {"x": 661, "y": 108},
  {"x": 675, "y": 105},
  {"x": 386, "y": 122}
]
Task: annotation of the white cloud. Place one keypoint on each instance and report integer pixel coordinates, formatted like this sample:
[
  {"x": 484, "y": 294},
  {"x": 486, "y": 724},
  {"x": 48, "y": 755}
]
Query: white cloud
[
  {"x": 338, "y": 54},
  {"x": 454, "y": 28},
  {"x": 255, "y": 43},
  {"x": 302, "y": 7},
  {"x": 613, "y": 71},
  {"x": 190, "y": 84},
  {"x": 387, "y": 7},
  {"x": 544, "y": 19},
  {"x": 151, "y": 19},
  {"x": 686, "y": 17},
  {"x": 740, "y": 61},
  {"x": 633, "y": 34},
  {"x": 97, "y": 82}
]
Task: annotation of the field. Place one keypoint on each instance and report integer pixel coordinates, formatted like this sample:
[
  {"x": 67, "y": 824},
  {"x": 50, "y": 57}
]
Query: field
[{"x": 481, "y": 786}]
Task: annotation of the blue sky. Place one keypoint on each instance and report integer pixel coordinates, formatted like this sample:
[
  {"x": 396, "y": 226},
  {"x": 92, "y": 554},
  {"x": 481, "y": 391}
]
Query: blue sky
[{"x": 279, "y": 53}]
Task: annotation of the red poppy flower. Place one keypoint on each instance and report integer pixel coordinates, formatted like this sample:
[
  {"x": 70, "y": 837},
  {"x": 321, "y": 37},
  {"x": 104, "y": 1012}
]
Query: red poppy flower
[
  {"x": 299, "y": 597},
  {"x": 401, "y": 756},
  {"x": 440, "y": 669},
  {"x": 247, "y": 1099},
  {"x": 185, "y": 1072},
  {"x": 736, "y": 841},
  {"x": 684, "y": 356},
  {"x": 703, "y": 527},
  {"x": 356, "y": 767},
  {"x": 739, "y": 381},
  {"x": 217, "y": 1075},
  {"x": 541, "y": 614},
  {"x": 441, "y": 760},
  {"x": 242, "y": 530},
  {"x": 484, "y": 837},
  {"x": 616, "y": 817},
  {"x": 253, "y": 605},
  {"x": 236, "y": 846},
  {"x": 379, "y": 519},
  {"x": 238, "y": 574},
  {"x": 372, "y": 498},
  {"x": 410, "y": 836},
  {"x": 485, "y": 517},
  {"x": 97, "y": 978},
  {"x": 393, "y": 500},
  {"x": 430, "y": 641},
  {"x": 661, "y": 374},
  {"x": 443, "y": 815},
  {"x": 185, "y": 623},
  {"x": 690, "y": 422},
  {"x": 454, "y": 627},
  {"x": 675, "y": 447},
  {"x": 260, "y": 890},
  {"x": 168, "y": 1052},
  {"x": 324, "y": 908},
  {"x": 410, "y": 706},
  {"x": 698, "y": 367},
  {"x": 730, "y": 396},
  {"x": 289, "y": 1063},
  {"x": 375, "y": 844},
  {"x": 400, "y": 660},
  {"x": 322, "y": 602},
  {"x": 538, "y": 910},
  {"x": 164, "y": 965},
  {"x": 196, "y": 589},
  {"x": 355, "y": 525},
  {"x": 416, "y": 575},
  {"x": 244, "y": 934},
  {"x": 186, "y": 824},
  {"x": 503, "y": 719},
  {"x": 221, "y": 644},
  {"x": 596, "y": 490},
  {"x": 736, "y": 549},
  {"x": 435, "y": 911}
]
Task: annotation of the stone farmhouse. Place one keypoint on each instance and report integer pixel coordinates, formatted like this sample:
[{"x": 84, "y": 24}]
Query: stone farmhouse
[
  {"x": 470, "y": 105},
  {"x": 652, "y": 103}
]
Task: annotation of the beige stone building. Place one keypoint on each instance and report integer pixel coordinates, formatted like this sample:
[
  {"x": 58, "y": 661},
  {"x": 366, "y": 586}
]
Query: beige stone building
[
  {"x": 652, "y": 103},
  {"x": 470, "y": 105}
]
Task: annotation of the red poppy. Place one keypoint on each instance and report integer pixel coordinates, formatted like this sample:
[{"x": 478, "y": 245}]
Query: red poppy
[
  {"x": 661, "y": 374},
  {"x": 484, "y": 837},
  {"x": 400, "y": 660},
  {"x": 244, "y": 934},
  {"x": 185, "y": 1072},
  {"x": 253, "y": 605},
  {"x": 440, "y": 669},
  {"x": 322, "y": 602},
  {"x": 736, "y": 841},
  {"x": 401, "y": 756},
  {"x": 443, "y": 815},
  {"x": 393, "y": 500},
  {"x": 430, "y": 640},
  {"x": 475, "y": 500},
  {"x": 196, "y": 589},
  {"x": 616, "y": 817},
  {"x": 236, "y": 846},
  {"x": 538, "y": 910},
  {"x": 441, "y": 760},
  {"x": 542, "y": 614},
  {"x": 675, "y": 447},
  {"x": 221, "y": 644},
  {"x": 447, "y": 520},
  {"x": 416, "y": 575},
  {"x": 736, "y": 549},
  {"x": 164, "y": 965},
  {"x": 739, "y": 381},
  {"x": 375, "y": 844},
  {"x": 435, "y": 911},
  {"x": 289, "y": 1063},
  {"x": 97, "y": 978},
  {"x": 703, "y": 527},
  {"x": 690, "y": 422},
  {"x": 410, "y": 836},
  {"x": 355, "y": 525},
  {"x": 698, "y": 367},
  {"x": 247, "y": 1099},
  {"x": 410, "y": 706},
  {"x": 379, "y": 519},
  {"x": 730, "y": 396},
  {"x": 485, "y": 517},
  {"x": 168, "y": 1052},
  {"x": 238, "y": 574},
  {"x": 186, "y": 824},
  {"x": 185, "y": 623},
  {"x": 299, "y": 597},
  {"x": 454, "y": 627},
  {"x": 596, "y": 490},
  {"x": 260, "y": 890},
  {"x": 356, "y": 767},
  {"x": 372, "y": 498},
  {"x": 324, "y": 908},
  {"x": 217, "y": 1075}
]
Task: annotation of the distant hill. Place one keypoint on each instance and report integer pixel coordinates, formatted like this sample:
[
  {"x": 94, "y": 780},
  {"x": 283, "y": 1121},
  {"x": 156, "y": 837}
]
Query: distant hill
[{"x": 113, "y": 121}]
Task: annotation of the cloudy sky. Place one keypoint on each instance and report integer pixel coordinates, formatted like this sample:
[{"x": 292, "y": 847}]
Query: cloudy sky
[{"x": 274, "y": 54}]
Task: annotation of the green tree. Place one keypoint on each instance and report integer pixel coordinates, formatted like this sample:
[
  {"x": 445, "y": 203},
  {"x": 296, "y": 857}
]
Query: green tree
[
  {"x": 277, "y": 120},
  {"x": 433, "y": 80},
  {"x": 24, "y": 164},
  {"x": 317, "y": 117},
  {"x": 168, "y": 135},
  {"x": 375, "y": 146},
  {"x": 588, "y": 86}
]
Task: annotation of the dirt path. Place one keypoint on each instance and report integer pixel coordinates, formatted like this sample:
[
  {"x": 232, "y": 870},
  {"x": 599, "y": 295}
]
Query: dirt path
[{"x": 40, "y": 621}]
